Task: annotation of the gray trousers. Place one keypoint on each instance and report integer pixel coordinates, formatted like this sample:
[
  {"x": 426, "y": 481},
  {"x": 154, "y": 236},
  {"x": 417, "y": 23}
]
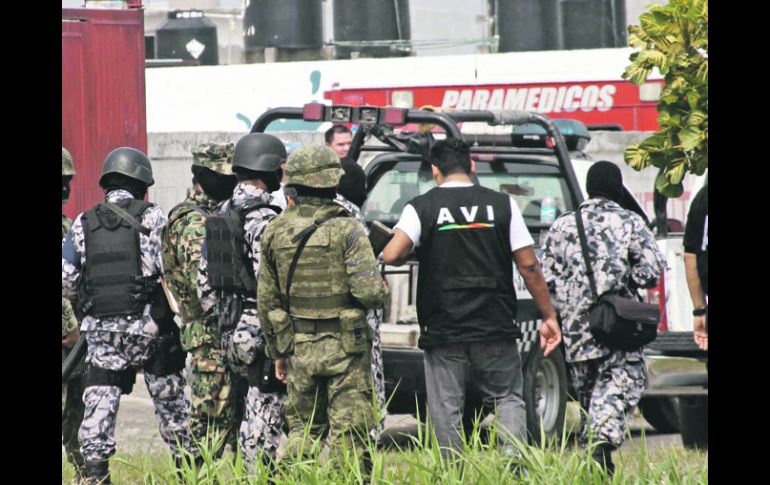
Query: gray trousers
[{"x": 495, "y": 368}]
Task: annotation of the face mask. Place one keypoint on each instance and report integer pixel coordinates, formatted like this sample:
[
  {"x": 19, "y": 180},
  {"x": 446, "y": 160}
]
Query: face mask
[
  {"x": 217, "y": 186},
  {"x": 65, "y": 189},
  {"x": 273, "y": 181}
]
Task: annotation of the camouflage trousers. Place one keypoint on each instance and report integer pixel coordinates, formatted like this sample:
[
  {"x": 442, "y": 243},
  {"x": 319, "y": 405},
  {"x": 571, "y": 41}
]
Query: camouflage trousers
[
  {"x": 71, "y": 417},
  {"x": 119, "y": 351},
  {"x": 217, "y": 397},
  {"x": 262, "y": 425},
  {"x": 608, "y": 389},
  {"x": 330, "y": 391},
  {"x": 373, "y": 318}
]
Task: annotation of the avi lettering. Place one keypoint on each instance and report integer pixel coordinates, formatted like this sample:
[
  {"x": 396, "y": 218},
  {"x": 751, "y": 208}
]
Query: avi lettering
[{"x": 469, "y": 214}]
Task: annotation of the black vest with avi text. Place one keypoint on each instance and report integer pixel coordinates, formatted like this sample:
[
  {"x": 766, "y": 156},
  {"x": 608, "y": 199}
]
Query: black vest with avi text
[{"x": 465, "y": 287}]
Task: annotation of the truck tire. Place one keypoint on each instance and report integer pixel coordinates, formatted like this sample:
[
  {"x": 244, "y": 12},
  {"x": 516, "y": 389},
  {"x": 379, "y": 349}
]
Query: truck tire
[
  {"x": 545, "y": 393},
  {"x": 661, "y": 413}
]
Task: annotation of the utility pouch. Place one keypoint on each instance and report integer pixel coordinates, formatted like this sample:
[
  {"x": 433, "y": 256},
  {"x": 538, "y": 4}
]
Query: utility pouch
[
  {"x": 283, "y": 328},
  {"x": 355, "y": 331},
  {"x": 262, "y": 375}
]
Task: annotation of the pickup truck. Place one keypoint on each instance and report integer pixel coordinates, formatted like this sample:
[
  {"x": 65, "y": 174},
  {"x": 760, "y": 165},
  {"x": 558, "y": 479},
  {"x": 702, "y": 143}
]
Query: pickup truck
[{"x": 526, "y": 156}]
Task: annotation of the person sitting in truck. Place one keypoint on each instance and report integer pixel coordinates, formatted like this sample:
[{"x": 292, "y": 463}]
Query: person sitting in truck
[
  {"x": 339, "y": 138},
  {"x": 464, "y": 235}
]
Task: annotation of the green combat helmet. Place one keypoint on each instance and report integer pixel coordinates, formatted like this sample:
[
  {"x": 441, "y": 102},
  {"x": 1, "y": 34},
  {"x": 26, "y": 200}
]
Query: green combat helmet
[
  {"x": 315, "y": 166},
  {"x": 214, "y": 156},
  {"x": 67, "y": 167}
]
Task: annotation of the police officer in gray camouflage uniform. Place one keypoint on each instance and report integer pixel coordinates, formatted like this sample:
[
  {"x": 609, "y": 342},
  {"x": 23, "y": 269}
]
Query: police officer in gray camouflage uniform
[
  {"x": 625, "y": 257},
  {"x": 256, "y": 164},
  {"x": 111, "y": 263}
]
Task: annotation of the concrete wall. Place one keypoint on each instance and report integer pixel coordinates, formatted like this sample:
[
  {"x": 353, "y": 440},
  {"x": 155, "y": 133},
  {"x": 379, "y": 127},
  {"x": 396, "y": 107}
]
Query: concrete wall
[{"x": 171, "y": 159}]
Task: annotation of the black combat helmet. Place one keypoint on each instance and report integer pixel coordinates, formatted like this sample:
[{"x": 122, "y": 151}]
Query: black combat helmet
[
  {"x": 259, "y": 152},
  {"x": 129, "y": 162}
]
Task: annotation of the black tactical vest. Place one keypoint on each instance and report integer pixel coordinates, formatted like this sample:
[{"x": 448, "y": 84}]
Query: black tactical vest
[
  {"x": 230, "y": 269},
  {"x": 465, "y": 287},
  {"x": 113, "y": 283}
]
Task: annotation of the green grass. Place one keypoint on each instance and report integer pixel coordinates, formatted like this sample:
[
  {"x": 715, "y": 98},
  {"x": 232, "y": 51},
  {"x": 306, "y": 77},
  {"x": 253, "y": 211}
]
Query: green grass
[{"x": 419, "y": 462}]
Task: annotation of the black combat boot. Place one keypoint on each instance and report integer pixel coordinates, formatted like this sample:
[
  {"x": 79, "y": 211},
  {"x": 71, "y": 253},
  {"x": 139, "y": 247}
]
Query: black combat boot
[
  {"x": 603, "y": 455},
  {"x": 97, "y": 472}
]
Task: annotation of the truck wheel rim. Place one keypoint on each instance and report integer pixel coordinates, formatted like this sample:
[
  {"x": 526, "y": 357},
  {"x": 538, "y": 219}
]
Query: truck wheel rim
[{"x": 547, "y": 394}]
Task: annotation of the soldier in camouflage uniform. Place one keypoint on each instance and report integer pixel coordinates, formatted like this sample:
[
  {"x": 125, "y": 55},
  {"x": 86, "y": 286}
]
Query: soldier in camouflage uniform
[
  {"x": 214, "y": 403},
  {"x": 111, "y": 263},
  {"x": 256, "y": 164},
  {"x": 351, "y": 195},
  {"x": 72, "y": 390},
  {"x": 625, "y": 257},
  {"x": 317, "y": 329}
]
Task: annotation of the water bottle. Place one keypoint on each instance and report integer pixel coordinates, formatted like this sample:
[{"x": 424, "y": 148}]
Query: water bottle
[{"x": 548, "y": 208}]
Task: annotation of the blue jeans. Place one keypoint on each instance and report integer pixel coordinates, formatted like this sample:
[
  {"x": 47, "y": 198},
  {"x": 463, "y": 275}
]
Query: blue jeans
[{"x": 495, "y": 368}]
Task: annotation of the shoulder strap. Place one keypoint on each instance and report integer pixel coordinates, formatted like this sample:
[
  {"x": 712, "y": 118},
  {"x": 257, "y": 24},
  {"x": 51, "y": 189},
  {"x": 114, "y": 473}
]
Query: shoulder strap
[
  {"x": 584, "y": 249},
  {"x": 260, "y": 205},
  {"x": 128, "y": 217},
  {"x": 304, "y": 235},
  {"x": 190, "y": 206}
]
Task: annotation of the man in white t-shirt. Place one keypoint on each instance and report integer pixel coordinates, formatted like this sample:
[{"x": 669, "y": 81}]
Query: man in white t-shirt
[{"x": 464, "y": 236}]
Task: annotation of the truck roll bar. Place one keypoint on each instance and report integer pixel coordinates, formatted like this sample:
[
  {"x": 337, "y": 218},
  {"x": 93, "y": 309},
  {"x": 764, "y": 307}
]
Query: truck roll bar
[
  {"x": 321, "y": 113},
  {"x": 503, "y": 117}
]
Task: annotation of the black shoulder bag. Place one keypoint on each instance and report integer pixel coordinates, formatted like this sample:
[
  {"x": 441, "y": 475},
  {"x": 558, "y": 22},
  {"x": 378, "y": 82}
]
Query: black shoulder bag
[{"x": 618, "y": 322}]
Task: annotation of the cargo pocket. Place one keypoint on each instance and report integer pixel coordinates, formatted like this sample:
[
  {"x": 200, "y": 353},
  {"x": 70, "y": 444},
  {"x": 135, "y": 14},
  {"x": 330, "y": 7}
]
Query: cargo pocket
[
  {"x": 284, "y": 331},
  {"x": 466, "y": 297},
  {"x": 356, "y": 333}
]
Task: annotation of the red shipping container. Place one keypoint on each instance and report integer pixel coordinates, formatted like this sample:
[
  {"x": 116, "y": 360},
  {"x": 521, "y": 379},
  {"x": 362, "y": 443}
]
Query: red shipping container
[{"x": 103, "y": 93}]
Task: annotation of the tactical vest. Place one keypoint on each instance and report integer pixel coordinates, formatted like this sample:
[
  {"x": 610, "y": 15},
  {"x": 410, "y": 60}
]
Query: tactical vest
[
  {"x": 113, "y": 283},
  {"x": 320, "y": 286},
  {"x": 189, "y": 306},
  {"x": 229, "y": 267},
  {"x": 465, "y": 287}
]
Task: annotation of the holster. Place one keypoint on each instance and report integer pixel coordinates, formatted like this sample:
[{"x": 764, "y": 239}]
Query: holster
[
  {"x": 166, "y": 353},
  {"x": 262, "y": 375},
  {"x": 124, "y": 379}
]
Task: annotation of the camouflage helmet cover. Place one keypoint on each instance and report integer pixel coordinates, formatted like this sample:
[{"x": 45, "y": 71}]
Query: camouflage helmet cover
[
  {"x": 314, "y": 166},
  {"x": 214, "y": 156},
  {"x": 67, "y": 166}
]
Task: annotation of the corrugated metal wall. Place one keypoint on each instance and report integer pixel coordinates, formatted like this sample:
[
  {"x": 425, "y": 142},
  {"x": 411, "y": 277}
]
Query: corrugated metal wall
[{"x": 103, "y": 93}]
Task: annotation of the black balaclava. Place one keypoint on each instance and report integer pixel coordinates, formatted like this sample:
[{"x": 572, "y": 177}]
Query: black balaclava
[
  {"x": 65, "y": 187},
  {"x": 117, "y": 181},
  {"x": 604, "y": 179},
  {"x": 272, "y": 180},
  {"x": 353, "y": 182},
  {"x": 216, "y": 185}
]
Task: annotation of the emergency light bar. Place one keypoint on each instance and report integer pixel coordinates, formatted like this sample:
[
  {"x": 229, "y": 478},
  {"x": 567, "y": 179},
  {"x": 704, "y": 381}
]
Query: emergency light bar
[
  {"x": 341, "y": 114},
  {"x": 575, "y": 134},
  {"x": 313, "y": 112},
  {"x": 368, "y": 115},
  {"x": 394, "y": 116}
]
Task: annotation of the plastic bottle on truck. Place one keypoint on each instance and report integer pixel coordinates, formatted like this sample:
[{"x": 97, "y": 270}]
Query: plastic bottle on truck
[{"x": 548, "y": 208}]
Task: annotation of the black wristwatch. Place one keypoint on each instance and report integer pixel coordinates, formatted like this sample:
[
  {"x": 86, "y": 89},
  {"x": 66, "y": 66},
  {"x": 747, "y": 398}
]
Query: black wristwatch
[{"x": 699, "y": 312}]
